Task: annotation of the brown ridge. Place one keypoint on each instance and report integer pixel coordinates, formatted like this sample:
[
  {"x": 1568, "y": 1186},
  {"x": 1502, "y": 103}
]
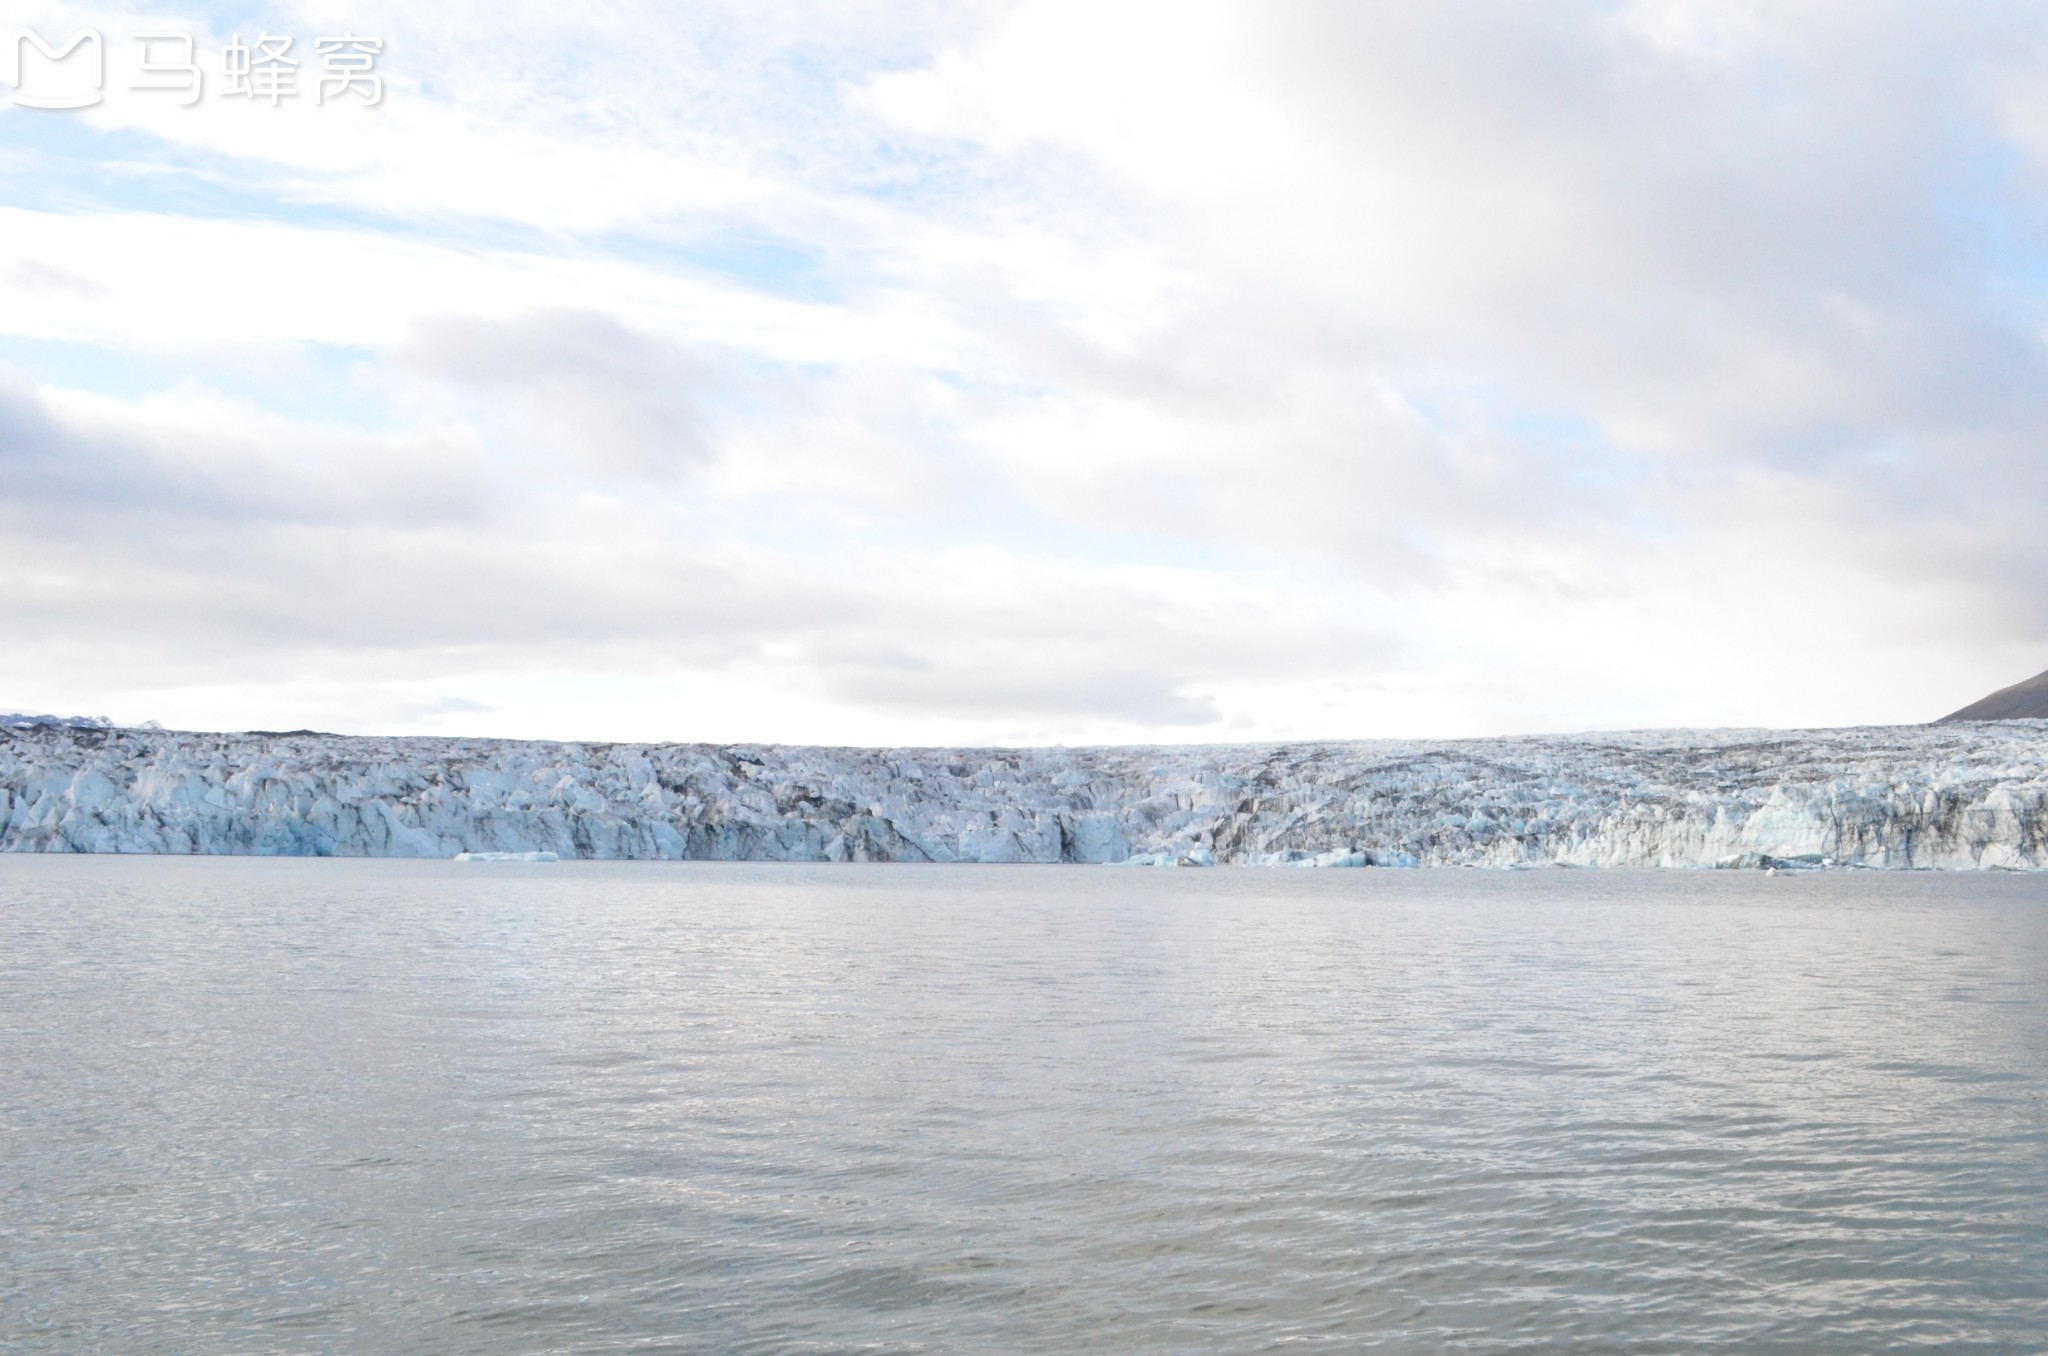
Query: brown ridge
[{"x": 2021, "y": 701}]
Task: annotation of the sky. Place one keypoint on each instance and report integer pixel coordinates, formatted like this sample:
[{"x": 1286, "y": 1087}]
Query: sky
[{"x": 1042, "y": 372}]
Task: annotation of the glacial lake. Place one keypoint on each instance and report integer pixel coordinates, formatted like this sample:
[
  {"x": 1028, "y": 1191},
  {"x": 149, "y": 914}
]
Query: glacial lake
[{"x": 380, "y": 1106}]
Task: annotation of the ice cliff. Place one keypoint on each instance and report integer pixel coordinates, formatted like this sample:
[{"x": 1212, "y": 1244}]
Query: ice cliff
[{"x": 1960, "y": 795}]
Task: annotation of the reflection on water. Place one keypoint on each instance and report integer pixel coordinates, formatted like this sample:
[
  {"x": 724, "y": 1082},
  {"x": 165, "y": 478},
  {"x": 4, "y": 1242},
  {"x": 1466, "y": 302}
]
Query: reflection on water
[{"x": 384, "y": 1106}]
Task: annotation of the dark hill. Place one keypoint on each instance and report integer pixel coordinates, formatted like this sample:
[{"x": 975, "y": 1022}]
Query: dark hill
[{"x": 2021, "y": 701}]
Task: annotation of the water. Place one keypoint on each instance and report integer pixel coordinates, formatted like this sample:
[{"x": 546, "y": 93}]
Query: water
[{"x": 384, "y": 1106}]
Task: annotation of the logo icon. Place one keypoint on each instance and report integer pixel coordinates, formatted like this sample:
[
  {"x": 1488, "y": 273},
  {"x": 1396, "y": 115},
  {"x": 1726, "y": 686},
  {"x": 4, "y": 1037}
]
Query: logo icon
[{"x": 65, "y": 77}]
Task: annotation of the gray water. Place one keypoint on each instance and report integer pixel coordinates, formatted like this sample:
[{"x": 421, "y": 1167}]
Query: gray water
[{"x": 384, "y": 1106}]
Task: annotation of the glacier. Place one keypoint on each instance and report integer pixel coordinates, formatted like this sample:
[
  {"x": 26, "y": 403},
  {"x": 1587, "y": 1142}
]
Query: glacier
[{"x": 1960, "y": 796}]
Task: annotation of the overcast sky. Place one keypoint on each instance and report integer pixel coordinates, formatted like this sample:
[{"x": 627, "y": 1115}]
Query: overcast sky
[{"x": 1039, "y": 372}]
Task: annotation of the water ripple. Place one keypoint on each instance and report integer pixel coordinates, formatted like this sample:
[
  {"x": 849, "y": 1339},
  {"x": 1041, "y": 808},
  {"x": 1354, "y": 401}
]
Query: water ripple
[{"x": 385, "y": 1106}]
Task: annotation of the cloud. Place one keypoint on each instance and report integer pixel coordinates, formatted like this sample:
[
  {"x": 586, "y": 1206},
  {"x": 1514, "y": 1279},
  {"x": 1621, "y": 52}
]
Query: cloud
[
  {"x": 200, "y": 542},
  {"x": 92, "y": 467},
  {"x": 1671, "y": 270},
  {"x": 626, "y": 402},
  {"x": 43, "y": 280},
  {"x": 1372, "y": 368}
]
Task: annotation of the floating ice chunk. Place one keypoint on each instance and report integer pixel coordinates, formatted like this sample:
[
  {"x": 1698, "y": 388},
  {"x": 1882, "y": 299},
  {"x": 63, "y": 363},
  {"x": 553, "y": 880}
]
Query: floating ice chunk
[
  {"x": 506, "y": 857},
  {"x": 1350, "y": 858}
]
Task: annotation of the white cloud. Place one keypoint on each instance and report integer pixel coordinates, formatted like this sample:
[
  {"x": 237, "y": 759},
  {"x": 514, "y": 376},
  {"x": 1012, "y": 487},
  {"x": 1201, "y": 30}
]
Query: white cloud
[
  {"x": 1153, "y": 371},
  {"x": 575, "y": 381}
]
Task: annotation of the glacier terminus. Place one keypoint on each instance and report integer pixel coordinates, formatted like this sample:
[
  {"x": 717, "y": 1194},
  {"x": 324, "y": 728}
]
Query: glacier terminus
[{"x": 1964, "y": 795}]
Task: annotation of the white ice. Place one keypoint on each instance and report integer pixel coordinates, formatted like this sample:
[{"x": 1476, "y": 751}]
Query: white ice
[{"x": 1959, "y": 796}]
